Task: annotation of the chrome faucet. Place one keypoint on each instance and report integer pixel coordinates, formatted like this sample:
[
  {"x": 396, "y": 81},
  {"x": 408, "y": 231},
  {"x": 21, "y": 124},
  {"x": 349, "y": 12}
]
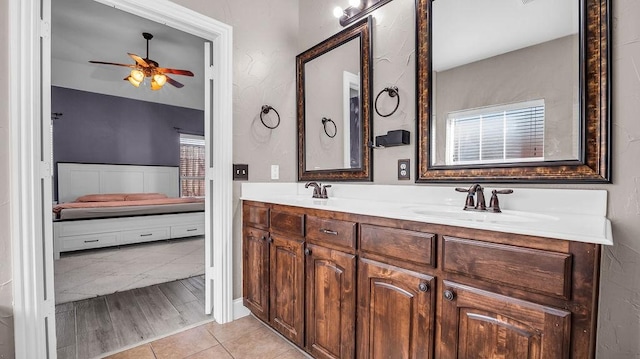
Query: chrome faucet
[
  {"x": 479, "y": 204},
  {"x": 316, "y": 189}
]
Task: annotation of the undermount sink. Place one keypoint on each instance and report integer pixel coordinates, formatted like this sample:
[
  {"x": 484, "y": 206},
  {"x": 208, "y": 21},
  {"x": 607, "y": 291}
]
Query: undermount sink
[{"x": 484, "y": 216}]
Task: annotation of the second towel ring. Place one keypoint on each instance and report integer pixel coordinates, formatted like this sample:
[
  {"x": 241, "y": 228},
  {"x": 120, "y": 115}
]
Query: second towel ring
[
  {"x": 393, "y": 92},
  {"x": 335, "y": 128},
  {"x": 265, "y": 110}
]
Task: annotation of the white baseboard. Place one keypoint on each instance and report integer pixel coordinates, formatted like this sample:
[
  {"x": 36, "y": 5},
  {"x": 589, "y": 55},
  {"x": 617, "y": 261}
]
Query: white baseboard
[{"x": 239, "y": 310}]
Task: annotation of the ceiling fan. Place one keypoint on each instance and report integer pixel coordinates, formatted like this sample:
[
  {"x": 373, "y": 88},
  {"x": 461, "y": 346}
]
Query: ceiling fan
[{"x": 145, "y": 67}]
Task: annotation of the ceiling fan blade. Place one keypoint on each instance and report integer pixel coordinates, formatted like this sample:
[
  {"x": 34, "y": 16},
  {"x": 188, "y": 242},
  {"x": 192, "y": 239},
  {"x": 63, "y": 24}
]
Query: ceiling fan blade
[
  {"x": 174, "y": 82},
  {"x": 175, "y": 71},
  {"x": 139, "y": 60},
  {"x": 112, "y": 63}
]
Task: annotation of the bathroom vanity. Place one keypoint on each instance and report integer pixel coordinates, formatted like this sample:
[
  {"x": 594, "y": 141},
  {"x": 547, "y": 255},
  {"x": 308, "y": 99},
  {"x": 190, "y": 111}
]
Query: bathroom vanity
[{"x": 349, "y": 277}]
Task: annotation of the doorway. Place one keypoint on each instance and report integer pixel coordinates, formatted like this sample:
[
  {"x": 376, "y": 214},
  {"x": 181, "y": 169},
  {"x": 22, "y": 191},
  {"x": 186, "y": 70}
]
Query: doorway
[{"x": 31, "y": 232}]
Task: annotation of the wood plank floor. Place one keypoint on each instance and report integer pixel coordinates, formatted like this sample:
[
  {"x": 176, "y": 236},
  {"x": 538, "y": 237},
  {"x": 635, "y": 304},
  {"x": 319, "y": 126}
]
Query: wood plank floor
[{"x": 91, "y": 327}]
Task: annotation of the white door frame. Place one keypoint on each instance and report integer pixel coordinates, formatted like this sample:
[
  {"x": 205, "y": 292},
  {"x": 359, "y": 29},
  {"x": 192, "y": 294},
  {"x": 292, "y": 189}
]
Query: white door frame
[{"x": 33, "y": 313}]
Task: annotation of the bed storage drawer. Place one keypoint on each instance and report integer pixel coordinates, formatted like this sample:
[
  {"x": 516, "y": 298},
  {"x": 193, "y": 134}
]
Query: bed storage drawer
[
  {"x": 145, "y": 235},
  {"x": 87, "y": 242},
  {"x": 187, "y": 230}
]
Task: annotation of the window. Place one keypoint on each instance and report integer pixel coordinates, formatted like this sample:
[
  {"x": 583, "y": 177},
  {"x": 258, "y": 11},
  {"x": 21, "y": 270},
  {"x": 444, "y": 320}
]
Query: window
[
  {"x": 191, "y": 166},
  {"x": 509, "y": 133}
]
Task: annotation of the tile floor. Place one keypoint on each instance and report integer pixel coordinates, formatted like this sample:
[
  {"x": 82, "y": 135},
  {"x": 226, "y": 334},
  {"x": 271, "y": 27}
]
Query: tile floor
[
  {"x": 242, "y": 339},
  {"x": 90, "y": 273}
]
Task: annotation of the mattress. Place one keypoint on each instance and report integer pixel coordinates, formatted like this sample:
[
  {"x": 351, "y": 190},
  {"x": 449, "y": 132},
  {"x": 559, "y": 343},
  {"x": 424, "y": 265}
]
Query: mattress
[{"x": 95, "y": 212}]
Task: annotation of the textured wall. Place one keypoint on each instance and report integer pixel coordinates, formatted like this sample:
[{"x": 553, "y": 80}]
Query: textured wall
[
  {"x": 264, "y": 50},
  {"x": 6, "y": 298}
]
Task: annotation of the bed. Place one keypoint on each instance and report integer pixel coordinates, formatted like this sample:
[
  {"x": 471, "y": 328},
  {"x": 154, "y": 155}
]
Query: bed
[{"x": 110, "y": 205}]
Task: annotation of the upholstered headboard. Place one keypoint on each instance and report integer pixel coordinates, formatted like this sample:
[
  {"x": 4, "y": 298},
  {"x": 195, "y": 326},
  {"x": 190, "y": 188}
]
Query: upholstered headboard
[{"x": 77, "y": 179}]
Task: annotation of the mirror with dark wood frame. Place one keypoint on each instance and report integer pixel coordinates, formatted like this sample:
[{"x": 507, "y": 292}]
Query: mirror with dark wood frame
[
  {"x": 513, "y": 91},
  {"x": 333, "y": 99}
]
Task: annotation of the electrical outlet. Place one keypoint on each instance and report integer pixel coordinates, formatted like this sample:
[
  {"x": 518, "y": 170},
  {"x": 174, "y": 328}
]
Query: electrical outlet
[
  {"x": 275, "y": 172},
  {"x": 241, "y": 172},
  {"x": 403, "y": 170}
]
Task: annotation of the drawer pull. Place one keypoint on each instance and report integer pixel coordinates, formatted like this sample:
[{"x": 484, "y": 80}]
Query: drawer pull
[
  {"x": 449, "y": 295},
  {"x": 192, "y": 229},
  {"x": 328, "y": 231},
  {"x": 270, "y": 240},
  {"x": 307, "y": 252},
  {"x": 93, "y": 240},
  {"x": 146, "y": 235},
  {"x": 423, "y": 287},
  {"x": 264, "y": 238}
]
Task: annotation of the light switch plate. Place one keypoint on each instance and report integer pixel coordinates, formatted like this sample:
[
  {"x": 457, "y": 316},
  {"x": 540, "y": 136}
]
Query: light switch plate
[
  {"x": 403, "y": 169},
  {"x": 241, "y": 172},
  {"x": 275, "y": 172}
]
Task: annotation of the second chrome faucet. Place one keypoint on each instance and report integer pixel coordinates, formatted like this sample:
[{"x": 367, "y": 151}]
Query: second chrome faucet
[{"x": 479, "y": 204}]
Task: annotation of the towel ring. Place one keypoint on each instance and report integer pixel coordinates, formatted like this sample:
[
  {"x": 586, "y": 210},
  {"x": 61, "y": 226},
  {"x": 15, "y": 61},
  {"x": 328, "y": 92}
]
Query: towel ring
[
  {"x": 335, "y": 128},
  {"x": 265, "y": 110},
  {"x": 393, "y": 92}
]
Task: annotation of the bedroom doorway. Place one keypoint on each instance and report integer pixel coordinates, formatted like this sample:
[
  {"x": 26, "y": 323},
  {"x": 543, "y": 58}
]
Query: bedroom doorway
[{"x": 31, "y": 233}]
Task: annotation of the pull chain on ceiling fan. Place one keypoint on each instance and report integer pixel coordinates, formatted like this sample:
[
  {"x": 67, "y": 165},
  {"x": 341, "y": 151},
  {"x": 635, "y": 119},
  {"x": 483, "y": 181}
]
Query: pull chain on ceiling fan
[{"x": 145, "y": 67}]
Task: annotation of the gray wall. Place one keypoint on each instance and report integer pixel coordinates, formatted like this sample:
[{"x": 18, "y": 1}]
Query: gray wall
[
  {"x": 97, "y": 128},
  {"x": 6, "y": 297},
  {"x": 265, "y": 46}
]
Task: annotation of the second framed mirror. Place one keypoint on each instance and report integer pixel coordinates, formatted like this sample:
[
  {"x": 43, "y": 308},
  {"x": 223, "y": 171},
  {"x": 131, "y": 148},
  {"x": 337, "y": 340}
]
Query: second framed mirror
[{"x": 334, "y": 107}]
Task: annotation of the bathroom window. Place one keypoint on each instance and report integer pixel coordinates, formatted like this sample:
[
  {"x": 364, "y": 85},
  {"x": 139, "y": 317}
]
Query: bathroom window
[
  {"x": 496, "y": 134},
  {"x": 192, "y": 168}
]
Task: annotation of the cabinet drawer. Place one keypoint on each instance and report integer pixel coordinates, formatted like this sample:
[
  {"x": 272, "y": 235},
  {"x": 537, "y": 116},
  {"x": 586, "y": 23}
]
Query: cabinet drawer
[
  {"x": 255, "y": 216},
  {"x": 187, "y": 230},
  {"x": 533, "y": 270},
  {"x": 287, "y": 222},
  {"x": 145, "y": 235},
  {"x": 332, "y": 231},
  {"x": 399, "y": 245},
  {"x": 87, "y": 242}
]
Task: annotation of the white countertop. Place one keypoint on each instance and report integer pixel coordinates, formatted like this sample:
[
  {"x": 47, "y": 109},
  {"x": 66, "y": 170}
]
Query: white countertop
[{"x": 575, "y": 215}]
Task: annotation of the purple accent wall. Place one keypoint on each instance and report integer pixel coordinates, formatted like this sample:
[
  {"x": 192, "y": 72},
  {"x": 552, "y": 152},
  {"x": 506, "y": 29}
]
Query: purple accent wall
[{"x": 96, "y": 128}]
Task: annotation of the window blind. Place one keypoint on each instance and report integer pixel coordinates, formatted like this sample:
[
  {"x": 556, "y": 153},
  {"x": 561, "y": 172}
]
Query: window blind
[
  {"x": 192, "y": 167},
  {"x": 512, "y": 133}
]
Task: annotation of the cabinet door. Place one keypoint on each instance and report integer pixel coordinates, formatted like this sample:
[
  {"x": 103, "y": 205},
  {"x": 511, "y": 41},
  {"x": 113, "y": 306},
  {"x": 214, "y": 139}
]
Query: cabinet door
[
  {"x": 395, "y": 312},
  {"x": 481, "y": 324},
  {"x": 286, "y": 311},
  {"x": 255, "y": 271},
  {"x": 330, "y": 303}
]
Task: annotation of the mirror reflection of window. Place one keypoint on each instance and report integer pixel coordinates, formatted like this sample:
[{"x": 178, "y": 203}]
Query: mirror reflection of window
[
  {"x": 501, "y": 52},
  {"x": 497, "y": 134}
]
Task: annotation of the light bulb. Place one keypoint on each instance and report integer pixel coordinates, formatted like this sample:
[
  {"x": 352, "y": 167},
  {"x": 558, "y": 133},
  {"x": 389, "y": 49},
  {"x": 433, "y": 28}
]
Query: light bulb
[
  {"x": 355, "y": 3},
  {"x": 160, "y": 79},
  {"x": 337, "y": 12},
  {"x": 133, "y": 81},
  {"x": 137, "y": 75},
  {"x": 155, "y": 85}
]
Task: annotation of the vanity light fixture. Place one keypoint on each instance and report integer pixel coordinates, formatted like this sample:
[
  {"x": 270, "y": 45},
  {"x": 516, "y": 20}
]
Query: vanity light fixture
[{"x": 356, "y": 10}]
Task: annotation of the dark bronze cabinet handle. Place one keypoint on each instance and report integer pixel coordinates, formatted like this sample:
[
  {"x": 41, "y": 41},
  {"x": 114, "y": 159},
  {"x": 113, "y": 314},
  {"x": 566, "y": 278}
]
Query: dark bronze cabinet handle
[
  {"x": 270, "y": 240},
  {"x": 264, "y": 238},
  {"x": 449, "y": 295},
  {"x": 307, "y": 252},
  {"x": 423, "y": 287},
  {"x": 328, "y": 231},
  {"x": 146, "y": 235},
  {"x": 91, "y": 241}
]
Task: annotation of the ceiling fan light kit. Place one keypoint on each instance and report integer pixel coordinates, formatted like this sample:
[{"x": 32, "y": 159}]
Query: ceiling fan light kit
[{"x": 145, "y": 67}]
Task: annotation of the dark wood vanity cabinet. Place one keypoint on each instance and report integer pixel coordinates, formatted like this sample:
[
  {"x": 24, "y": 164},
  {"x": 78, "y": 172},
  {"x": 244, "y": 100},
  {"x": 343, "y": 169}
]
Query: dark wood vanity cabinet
[
  {"x": 395, "y": 312},
  {"x": 273, "y": 269},
  {"x": 343, "y": 285}
]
